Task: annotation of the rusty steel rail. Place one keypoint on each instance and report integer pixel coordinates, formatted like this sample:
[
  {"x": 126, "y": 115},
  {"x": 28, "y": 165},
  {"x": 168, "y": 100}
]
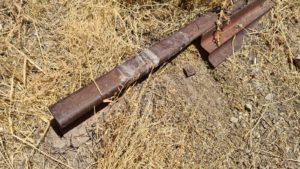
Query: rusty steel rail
[
  {"x": 82, "y": 101},
  {"x": 111, "y": 84}
]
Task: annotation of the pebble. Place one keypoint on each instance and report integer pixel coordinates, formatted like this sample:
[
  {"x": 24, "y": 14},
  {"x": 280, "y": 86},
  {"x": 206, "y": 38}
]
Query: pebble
[
  {"x": 256, "y": 135},
  {"x": 249, "y": 107},
  {"x": 241, "y": 115},
  {"x": 1, "y": 26},
  {"x": 243, "y": 125},
  {"x": 269, "y": 97},
  {"x": 189, "y": 71},
  {"x": 234, "y": 119}
]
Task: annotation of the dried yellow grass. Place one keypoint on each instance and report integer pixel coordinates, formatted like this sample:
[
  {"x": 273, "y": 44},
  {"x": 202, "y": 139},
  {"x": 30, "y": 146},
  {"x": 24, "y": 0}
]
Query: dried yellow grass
[{"x": 50, "y": 49}]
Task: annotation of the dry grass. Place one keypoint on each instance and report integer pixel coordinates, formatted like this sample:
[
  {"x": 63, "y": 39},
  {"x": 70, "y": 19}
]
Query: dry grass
[{"x": 48, "y": 50}]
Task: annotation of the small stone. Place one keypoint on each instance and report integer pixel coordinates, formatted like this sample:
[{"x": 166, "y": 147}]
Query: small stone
[
  {"x": 269, "y": 97},
  {"x": 189, "y": 71},
  {"x": 241, "y": 115},
  {"x": 1, "y": 130},
  {"x": 248, "y": 107},
  {"x": 256, "y": 135},
  {"x": 234, "y": 120},
  {"x": 1, "y": 26},
  {"x": 248, "y": 151},
  {"x": 243, "y": 125}
]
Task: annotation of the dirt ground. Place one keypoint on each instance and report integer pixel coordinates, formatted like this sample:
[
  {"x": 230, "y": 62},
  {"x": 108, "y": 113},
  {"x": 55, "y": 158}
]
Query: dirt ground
[{"x": 244, "y": 114}]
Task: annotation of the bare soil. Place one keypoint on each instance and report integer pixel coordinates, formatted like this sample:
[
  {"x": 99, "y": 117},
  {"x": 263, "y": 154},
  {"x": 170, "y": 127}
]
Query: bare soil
[{"x": 244, "y": 114}]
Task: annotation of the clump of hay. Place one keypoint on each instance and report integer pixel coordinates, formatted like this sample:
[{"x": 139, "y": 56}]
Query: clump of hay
[
  {"x": 50, "y": 49},
  {"x": 186, "y": 4}
]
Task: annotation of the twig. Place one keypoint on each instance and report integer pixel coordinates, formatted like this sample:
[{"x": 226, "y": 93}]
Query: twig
[
  {"x": 277, "y": 102},
  {"x": 39, "y": 40},
  {"x": 24, "y": 71},
  {"x": 40, "y": 140},
  {"x": 5, "y": 156},
  {"x": 263, "y": 152},
  {"x": 10, "y": 104},
  {"x": 92, "y": 76},
  {"x": 40, "y": 151},
  {"x": 30, "y": 60},
  {"x": 258, "y": 121},
  {"x": 90, "y": 166}
]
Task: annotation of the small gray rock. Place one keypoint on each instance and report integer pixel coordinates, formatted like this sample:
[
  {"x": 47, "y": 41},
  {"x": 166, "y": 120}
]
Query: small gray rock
[
  {"x": 234, "y": 119},
  {"x": 249, "y": 107},
  {"x": 256, "y": 135},
  {"x": 269, "y": 97},
  {"x": 189, "y": 71}
]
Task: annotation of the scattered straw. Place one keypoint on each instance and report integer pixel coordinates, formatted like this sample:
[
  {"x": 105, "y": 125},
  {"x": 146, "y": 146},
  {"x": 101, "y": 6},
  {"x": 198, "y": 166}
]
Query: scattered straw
[{"x": 50, "y": 49}]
